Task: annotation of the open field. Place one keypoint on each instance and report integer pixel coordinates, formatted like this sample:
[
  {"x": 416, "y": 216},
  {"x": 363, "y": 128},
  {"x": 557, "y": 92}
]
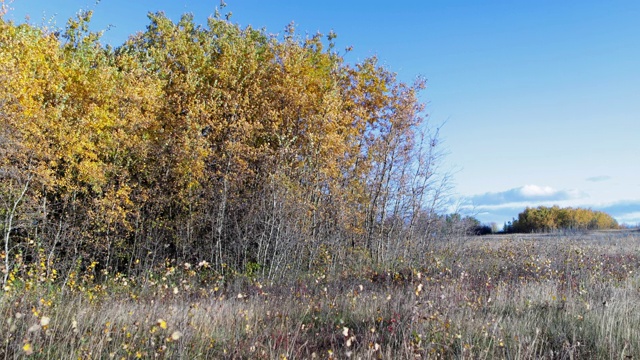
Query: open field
[{"x": 514, "y": 297}]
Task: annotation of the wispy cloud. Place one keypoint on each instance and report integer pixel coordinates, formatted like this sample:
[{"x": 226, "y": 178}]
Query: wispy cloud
[
  {"x": 622, "y": 209},
  {"x": 632, "y": 219},
  {"x": 598, "y": 178},
  {"x": 526, "y": 193}
]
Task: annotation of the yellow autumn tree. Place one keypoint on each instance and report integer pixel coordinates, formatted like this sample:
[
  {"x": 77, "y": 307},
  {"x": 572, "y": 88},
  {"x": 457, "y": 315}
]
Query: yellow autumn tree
[
  {"x": 214, "y": 143},
  {"x": 545, "y": 219}
]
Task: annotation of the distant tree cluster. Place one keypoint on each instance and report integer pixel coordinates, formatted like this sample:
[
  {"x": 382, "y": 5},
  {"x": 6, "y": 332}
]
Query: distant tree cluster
[
  {"x": 455, "y": 225},
  {"x": 208, "y": 143},
  {"x": 545, "y": 219}
]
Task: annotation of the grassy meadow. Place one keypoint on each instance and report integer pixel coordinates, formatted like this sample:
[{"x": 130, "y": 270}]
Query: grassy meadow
[{"x": 511, "y": 297}]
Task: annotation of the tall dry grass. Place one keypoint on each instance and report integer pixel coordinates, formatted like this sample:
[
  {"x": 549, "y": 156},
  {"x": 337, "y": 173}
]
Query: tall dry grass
[{"x": 571, "y": 297}]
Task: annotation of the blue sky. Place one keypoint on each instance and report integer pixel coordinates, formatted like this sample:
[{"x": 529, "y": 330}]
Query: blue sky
[{"x": 539, "y": 98}]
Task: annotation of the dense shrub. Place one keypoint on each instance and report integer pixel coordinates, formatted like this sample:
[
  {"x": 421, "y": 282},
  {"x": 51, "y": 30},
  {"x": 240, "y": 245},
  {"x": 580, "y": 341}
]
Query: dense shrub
[
  {"x": 544, "y": 219},
  {"x": 216, "y": 143}
]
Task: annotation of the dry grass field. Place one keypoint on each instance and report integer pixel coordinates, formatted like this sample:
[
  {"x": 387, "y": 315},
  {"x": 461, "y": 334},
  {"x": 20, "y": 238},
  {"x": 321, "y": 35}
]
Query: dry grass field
[{"x": 513, "y": 297}]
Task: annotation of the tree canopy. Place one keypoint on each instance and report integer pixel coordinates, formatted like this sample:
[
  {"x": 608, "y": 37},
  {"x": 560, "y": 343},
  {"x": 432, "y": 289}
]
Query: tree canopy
[
  {"x": 214, "y": 143},
  {"x": 545, "y": 219}
]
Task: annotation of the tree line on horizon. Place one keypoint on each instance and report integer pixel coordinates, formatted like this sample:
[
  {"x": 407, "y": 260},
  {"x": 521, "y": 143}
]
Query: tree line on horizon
[
  {"x": 548, "y": 219},
  {"x": 207, "y": 143}
]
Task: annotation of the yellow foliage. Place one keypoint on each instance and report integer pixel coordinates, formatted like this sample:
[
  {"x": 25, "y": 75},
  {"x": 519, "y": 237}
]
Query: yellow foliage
[{"x": 187, "y": 133}]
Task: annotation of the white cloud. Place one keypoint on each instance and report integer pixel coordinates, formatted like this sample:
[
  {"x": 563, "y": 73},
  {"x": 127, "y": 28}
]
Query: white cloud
[
  {"x": 598, "y": 178},
  {"x": 537, "y": 191},
  {"x": 523, "y": 194}
]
